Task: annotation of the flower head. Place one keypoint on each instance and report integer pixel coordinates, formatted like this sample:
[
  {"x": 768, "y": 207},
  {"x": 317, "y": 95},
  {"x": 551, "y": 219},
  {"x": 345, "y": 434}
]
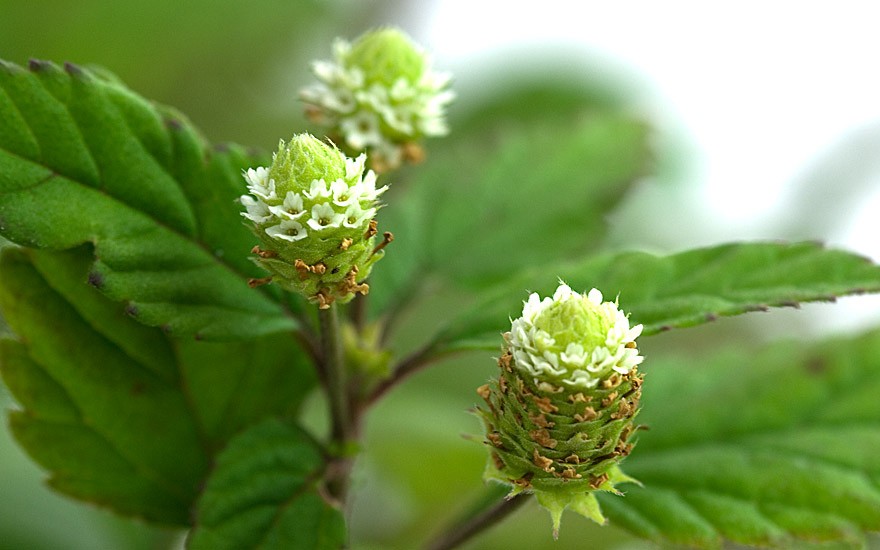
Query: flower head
[
  {"x": 560, "y": 416},
  {"x": 312, "y": 210},
  {"x": 573, "y": 340},
  {"x": 379, "y": 94}
]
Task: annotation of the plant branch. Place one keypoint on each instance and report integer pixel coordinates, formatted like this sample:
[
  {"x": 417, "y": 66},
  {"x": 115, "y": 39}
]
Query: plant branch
[
  {"x": 413, "y": 363},
  {"x": 462, "y": 532}
]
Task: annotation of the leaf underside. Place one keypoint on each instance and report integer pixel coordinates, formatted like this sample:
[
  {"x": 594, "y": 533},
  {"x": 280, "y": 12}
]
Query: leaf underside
[
  {"x": 84, "y": 160},
  {"x": 262, "y": 494},
  {"x": 780, "y": 448},
  {"x": 119, "y": 413},
  {"x": 681, "y": 290}
]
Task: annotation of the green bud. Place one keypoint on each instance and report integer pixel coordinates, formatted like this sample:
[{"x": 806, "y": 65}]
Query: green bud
[
  {"x": 560, "y": 416},
  {"x": 379, "y": 95},
  {"x": 384, "y": 55},
  {"x": 313, "y": 211}
]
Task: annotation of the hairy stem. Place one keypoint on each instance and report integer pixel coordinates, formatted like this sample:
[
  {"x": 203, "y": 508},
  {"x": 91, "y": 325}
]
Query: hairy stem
[
  {"x": 460, "y": 533},
  {"x": 342, "y": 429}
]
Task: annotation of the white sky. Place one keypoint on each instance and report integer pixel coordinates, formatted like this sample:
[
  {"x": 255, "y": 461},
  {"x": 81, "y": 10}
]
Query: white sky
[{"x": 759, "y": 88}]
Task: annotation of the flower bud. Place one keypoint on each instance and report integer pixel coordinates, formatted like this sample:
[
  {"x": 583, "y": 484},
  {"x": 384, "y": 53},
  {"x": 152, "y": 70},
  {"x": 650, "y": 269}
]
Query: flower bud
[
  {"x": 379, "y": 95},
  {"x": 312, "y": 211},
  {"x": 560, "y": 416}
]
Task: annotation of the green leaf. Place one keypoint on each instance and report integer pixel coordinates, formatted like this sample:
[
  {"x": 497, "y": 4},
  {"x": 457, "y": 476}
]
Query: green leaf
[
  {"x": 680, "y": 290},
  {"x": 263, "y": 494},
  {"x": 119, "y": 413},
  {"x": 493, "y": 205},
  {"x": 758, "y": 448},
  {"x": 84, "y": 160}
]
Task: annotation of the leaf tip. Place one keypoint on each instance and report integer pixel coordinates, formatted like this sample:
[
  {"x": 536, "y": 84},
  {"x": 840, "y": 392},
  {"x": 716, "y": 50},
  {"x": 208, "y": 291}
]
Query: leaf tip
[
  {"x": 131, "y": 310},
  {"x": 73, "y": 69},
  {"x": 38, "y": 65},
  {"x": 96, "y": 279}
]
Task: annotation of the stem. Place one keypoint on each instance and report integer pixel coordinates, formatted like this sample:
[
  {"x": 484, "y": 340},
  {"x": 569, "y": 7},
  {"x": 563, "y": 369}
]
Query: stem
[
  {"x": 331, "y": 349},
  {"x": 416, "y": 361},
  {"x": 462, "y": 532},
  {"x": 337, "y": 395}
]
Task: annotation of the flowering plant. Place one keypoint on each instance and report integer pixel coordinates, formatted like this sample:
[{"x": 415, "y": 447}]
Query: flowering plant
[{"x": 196, "y": 335}]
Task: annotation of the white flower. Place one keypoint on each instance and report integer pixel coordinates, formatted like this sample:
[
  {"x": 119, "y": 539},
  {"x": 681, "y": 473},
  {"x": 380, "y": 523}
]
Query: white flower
[
  {"x": 259, "y": 183},
  {"x": 354, "y": 168},
  {"x": 361, "y": 130},
  {"x": 288, "y": 230},
  {"x": 291, "y": 209},
  {"x": 355, "y": 216},
  {"x": 355, "y": 99},
  {"x": 318, "y": 190},
  {"x": 343, "y": 195},
  {"x": 324, "y": 216},
  {"x": 368, "y": 186},
  {"x": 579, "y": 360},
  {"x": 257, "y": 211}
]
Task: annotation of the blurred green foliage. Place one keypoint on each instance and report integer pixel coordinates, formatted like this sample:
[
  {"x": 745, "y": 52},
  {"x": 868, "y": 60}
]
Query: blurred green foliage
[{"x": 233, "y": 68}]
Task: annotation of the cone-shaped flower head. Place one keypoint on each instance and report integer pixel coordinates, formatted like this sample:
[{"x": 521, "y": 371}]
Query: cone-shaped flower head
[
  {"x": 313, "y": 210},
  {"x": 560, "y": 415},
  {"x": 379, "y": 94}
]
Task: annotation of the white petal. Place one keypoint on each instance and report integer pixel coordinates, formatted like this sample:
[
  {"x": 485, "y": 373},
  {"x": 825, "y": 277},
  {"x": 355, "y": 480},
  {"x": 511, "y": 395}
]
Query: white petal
[
  {"x": 355, "y": 167},
  {"x": 288, "y": 230},
  {"x": 257, "y": 210},
  {"x": 323, "y": 216},
  {"x": 317, "y": 190}
]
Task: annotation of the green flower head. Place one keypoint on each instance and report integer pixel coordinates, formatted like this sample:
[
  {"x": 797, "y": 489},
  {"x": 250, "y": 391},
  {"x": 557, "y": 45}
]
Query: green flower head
[
  {"x": 313, "y": 211},
  {"x": 379, "y": 95},
  {"x": 560, "y": 415}
]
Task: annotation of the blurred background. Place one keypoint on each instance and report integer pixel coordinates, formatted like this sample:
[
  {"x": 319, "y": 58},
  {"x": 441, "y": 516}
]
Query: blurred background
[{"x": 766, "y": 125}]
